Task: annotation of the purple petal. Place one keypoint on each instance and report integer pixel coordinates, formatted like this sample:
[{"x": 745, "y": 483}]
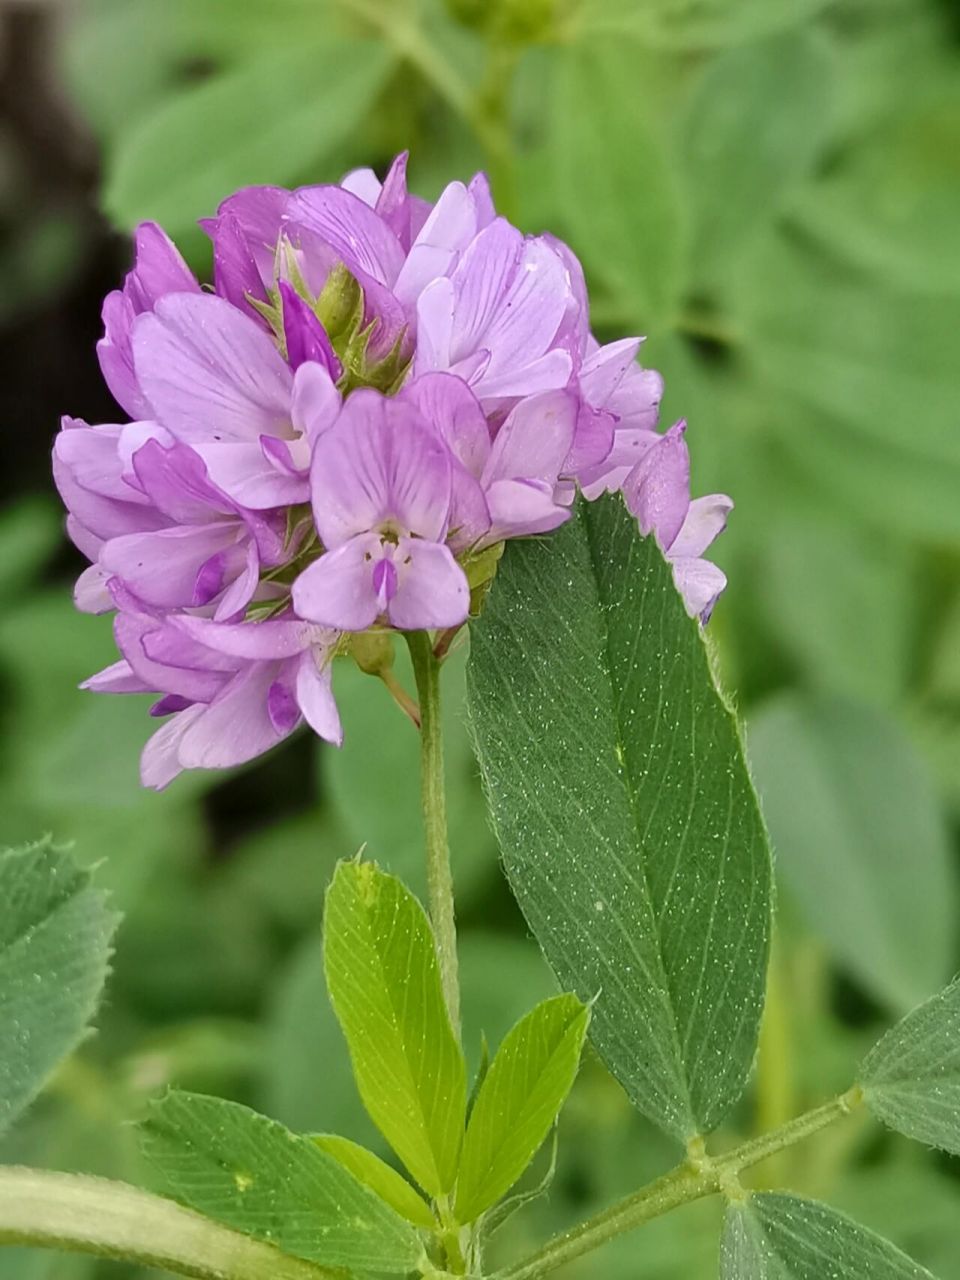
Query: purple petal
[
  {"x": 171, "y": 666},
  {"x": 169, "y": 704},
  {"x": 592, "y": 440},
  {"x": 316, "y": 401},
  {"x": 379, "y": 462},
  {"x": 258, "y": 213},
  {"x": 235, "y": 272},
  {"x": 432, "y": 589},
  {"x": 92, "y": 456},
  {"x": 306, "y": 339},
  {"x": 237, "y": 725},
  {"x": 159, "y": 269},
  {"x": 160, "y": 761},
  {"x": 175, "y": 480},
  {"x": 603, "y": 371},
  {"x": 337, "y": 590},
  {"x": 245, "y": 473},
  {"x": 364, "y": 184},
  {"x": 282, "y": 707},
  {"x": 210, "y": 372},
  {"x": 357, "y": 234},
  {"x": 315, "y": 696},
  {"x": 706, "y": 519},
  {"x": 116, "y": 355},
  {"x": 240, "y": 592},
  {"x": 175, "y": 568},
  {"x": 629, "y": 446},
  {"x": 448, "y": 404},
  {"x": 275, "y": 638},
  {"x": 657, "y": 490},
  {"x": 91, "y": 593},
  {"x": 120, "y": 677},
  {"x": 700, "y": 583},
  {"x": 535, "y": 439},
  {"x": 519, "y": 508}
]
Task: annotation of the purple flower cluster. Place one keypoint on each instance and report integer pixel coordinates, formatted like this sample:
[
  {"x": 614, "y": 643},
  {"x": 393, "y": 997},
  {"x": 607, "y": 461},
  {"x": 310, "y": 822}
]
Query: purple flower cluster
[{"x": 336, "y": 439}]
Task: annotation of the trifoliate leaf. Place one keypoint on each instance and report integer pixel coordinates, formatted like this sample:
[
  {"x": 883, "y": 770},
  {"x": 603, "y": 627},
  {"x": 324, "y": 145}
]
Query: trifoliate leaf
[
  {"x": 628, "y": 824},
  {"x": 55, "y": 943}
]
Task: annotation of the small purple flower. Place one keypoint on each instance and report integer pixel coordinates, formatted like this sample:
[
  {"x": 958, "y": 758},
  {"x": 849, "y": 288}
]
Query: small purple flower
[
  {"x": 377, "y": 394},
  {"x": 382, "y": 490}
]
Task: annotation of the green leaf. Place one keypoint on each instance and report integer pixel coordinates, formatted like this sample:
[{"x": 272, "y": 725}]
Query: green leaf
[
  {"x": 911, "y": 1079},
  {"x": 630, "y": 230},
  {"x": 628, "y": 824},
  {"x": 30, "y": 533},
  {"x": 384, "y": 983},
  {"x": 267, "y": 121},
  {"x": 890, "y": 206},
  {"x": 861, "y": 842},
  {"x": 833, "y": 591},
  {"x": 55, "y": 944},
  {"x": 379, "y": 1177},
  {"x": 252, "y": 1174},
  {"x": 862, "y": 360},
  {"x": 756, "y": 124},
  {"x": 520, "y": 1098},
  {"x": 695, "y": 24},
  {"x": 781, "y": 1237}
]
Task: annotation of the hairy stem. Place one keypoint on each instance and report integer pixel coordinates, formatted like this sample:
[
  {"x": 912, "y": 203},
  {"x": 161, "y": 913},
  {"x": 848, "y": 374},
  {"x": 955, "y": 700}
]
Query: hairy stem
[
  {"x": 433, "y": 801},
  {"x": 113, "y": 1220},
  {"x": 690, "y": 1181}
]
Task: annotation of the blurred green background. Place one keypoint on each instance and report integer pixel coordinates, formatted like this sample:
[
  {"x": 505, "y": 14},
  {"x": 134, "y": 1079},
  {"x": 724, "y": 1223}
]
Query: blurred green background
[{"x": 770, "y": 190}]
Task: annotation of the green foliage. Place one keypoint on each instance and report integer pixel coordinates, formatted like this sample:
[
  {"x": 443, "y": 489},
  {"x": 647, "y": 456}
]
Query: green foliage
[
  {"x": 756, "y": 124},
  {"x": 56, "y": 934},
  {"x": 384, "y": 982},
  {"x": 262, "y": 122},
  {"x": 376, "y": 1174},
  {"x": 629, "y": 828},
  {"x": 631, "y": 229},
  {"x": 911, "y": 1079},
  {"x": 518, "y": 1101},
  {"x": 252, "y": 1174},
  {"x": 695, "y": 24},
  {"x": 861, "y": 843},
  {"x": 781, "y": 1237}
]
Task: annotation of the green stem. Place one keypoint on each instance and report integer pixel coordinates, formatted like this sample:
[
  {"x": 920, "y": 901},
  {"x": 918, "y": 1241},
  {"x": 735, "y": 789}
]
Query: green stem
[
  {"x": 113, "y": 1220},
  {"x": 412, "y": 43},
  {"x": 433, "y": 801},
  {"x": 690, "y": 1181}
]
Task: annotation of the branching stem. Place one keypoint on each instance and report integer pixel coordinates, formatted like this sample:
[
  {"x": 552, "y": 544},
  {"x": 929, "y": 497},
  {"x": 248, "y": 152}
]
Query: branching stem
[{"x": 690, "y": 1181}]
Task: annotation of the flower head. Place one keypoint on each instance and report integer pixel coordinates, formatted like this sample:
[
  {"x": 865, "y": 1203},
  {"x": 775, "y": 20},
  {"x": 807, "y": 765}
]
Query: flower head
[{"x": 336, "y": 442}]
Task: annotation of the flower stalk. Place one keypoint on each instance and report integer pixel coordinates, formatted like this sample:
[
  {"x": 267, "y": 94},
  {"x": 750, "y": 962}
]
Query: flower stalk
[
  {"x": 426, "y": 669},
  {"x": 692, "y": 1180}
]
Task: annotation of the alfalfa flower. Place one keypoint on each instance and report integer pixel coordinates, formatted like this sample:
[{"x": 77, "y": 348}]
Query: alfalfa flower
[{"x": 337, "y": 442}]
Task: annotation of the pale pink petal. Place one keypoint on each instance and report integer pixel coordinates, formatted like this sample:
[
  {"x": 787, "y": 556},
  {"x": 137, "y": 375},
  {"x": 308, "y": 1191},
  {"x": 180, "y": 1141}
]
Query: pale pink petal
[
  {"x": 337, "y": 590},
  {"x": 706, "y": 519},
  {"x": 210, "y": 372},
  {"x": 700, "y": 583},
  {"x": 657, "y": 491},
  {"x": 535, "y": 439},
  {"x": 160, "y": 761},
  {"x": 315, "y": 698},
  {"x": 432, "y": 589},
  {"x": 236, "y": 726},
  {"x": 316, "y": 400}
]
